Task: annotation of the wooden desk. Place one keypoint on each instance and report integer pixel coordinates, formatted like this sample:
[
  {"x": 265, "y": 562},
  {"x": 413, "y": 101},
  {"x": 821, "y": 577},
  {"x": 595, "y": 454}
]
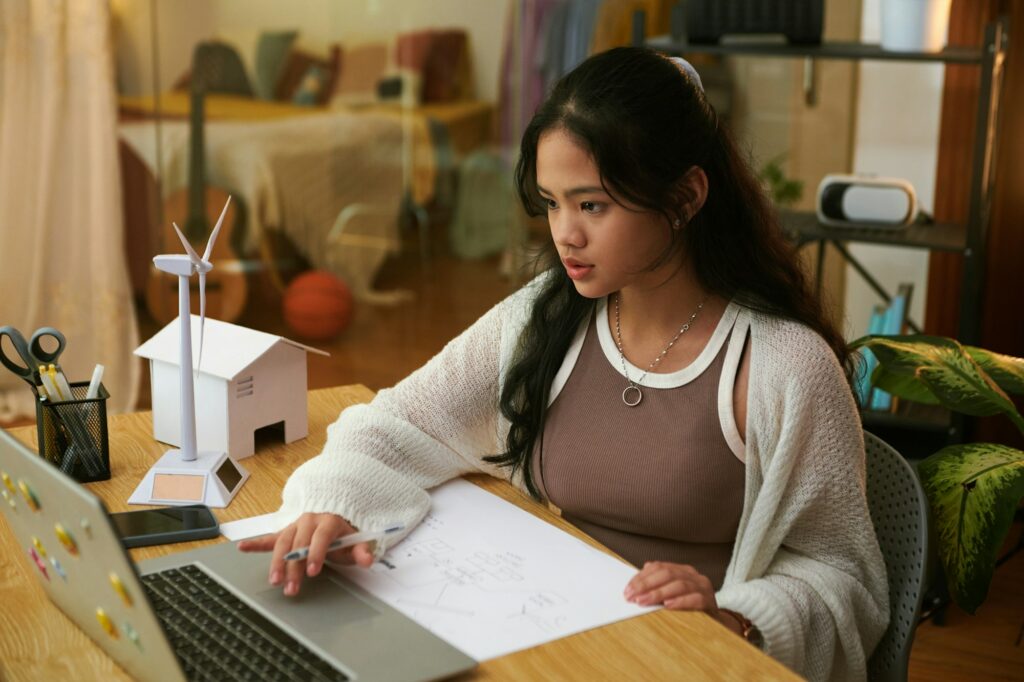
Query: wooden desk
[{"x": 38, "y": 642}]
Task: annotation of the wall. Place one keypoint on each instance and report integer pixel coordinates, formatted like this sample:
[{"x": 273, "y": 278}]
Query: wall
[
  {"x": 180, "y": 24},
  {"x": 319, "y": 22},
  {"x": 896, "y": 134},
  {"x": 774, "y": 118}
]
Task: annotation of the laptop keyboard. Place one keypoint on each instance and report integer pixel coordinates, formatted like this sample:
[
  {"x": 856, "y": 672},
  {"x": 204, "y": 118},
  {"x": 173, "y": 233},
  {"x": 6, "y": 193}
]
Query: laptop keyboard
[{"x": 217, "y": 636}]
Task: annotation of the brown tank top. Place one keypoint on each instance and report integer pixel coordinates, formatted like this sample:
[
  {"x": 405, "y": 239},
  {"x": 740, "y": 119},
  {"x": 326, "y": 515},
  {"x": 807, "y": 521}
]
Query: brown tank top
[{"x": 655, "y": 482}]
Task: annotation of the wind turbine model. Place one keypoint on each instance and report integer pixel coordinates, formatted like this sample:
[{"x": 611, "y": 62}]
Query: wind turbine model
[{"x": 186, "y": 476}]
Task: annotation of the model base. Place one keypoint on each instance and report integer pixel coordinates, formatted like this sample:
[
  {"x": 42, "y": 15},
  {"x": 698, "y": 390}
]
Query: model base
[{"x": 213, "y": 479}]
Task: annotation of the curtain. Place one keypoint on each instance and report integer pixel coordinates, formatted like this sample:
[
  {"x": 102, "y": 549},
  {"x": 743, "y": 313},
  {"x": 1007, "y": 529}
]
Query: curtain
[{"x": 61, "y": 238}]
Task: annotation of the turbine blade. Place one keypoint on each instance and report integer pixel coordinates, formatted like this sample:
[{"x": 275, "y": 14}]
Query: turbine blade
[
  {"x": 202, "y": 318},
  {"x": 188, "y": 247},
  {"x": 216, "y": 230}
]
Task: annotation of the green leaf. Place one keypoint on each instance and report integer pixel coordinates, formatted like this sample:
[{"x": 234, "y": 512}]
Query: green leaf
[
  {"x": 772, "y": 173},
  {"x": 943, "y": 368},
  {"x": 959, "y": 386},
  {"x": 788, "y": 192},
  {"x": 908, "y": 387},
  {"x": 905, "y": 353},
  {"x": 1005, "y": 370},
  {"x": 973, "y": 491}
]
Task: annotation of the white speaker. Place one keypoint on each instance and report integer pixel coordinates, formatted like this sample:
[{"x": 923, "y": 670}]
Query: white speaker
[{"x": 847, "y": 200}]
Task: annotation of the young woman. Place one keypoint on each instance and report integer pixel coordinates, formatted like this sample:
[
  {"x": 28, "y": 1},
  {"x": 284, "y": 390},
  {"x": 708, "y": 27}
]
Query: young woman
[{"x": 668, "y": 382}]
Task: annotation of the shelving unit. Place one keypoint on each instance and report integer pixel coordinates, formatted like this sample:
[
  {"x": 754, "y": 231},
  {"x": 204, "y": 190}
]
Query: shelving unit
[
  {"x": 968, "y": 239},
  {"x": 804, "y": 225},
  {"x": 836, "y": 50}
]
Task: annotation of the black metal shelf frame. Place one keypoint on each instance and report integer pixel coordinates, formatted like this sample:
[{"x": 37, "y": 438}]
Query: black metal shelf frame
[
  {"x": 803, "y": 227},
  {"x": 832, "y": 50},
  {"x": 969, "y": 239}
]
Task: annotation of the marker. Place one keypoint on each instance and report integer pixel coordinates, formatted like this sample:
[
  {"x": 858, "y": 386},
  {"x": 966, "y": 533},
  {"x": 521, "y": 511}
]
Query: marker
[
  {"x": 94, "y": 384},
  {"x": 50, "y": 391},
  {"x": 57, "y": 375},
  {"x": 348, "y": 541}
]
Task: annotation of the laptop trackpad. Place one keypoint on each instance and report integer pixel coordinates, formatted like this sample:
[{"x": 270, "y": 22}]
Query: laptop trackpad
[{"x": 322, "y": 606}]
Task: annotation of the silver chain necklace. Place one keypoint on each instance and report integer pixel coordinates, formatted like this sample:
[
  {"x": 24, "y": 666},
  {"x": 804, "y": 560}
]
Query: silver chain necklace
[{"x": 632, "y": 395}]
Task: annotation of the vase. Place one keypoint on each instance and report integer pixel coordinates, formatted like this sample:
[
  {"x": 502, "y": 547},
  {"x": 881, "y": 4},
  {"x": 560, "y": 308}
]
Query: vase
[{"x": 914, "y": 25}]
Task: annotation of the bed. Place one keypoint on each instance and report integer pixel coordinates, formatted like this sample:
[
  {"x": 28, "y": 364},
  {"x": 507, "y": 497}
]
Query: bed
[{"x": 299, "y": 171}]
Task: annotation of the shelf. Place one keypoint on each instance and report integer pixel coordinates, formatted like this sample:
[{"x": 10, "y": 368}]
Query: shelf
[
  {"x": 804, "y": 227},
  {"x": 832, "y": 50},
  {"x": 909, "y": 415}
]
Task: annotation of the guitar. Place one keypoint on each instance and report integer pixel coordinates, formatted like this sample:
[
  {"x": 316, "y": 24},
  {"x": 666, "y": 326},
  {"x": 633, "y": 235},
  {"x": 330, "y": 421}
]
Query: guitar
[{"x": 195, "y": 210}]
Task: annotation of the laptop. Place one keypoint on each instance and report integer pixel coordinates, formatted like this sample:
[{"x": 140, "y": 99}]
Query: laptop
[{"x": 206, "y": 614}]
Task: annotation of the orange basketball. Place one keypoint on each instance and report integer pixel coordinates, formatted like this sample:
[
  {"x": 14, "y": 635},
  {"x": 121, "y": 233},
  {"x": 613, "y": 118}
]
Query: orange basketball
[{"x": 317, "y": 305}]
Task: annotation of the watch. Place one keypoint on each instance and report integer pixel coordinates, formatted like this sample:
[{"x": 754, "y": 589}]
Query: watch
[{"x": 748, "y": 630}]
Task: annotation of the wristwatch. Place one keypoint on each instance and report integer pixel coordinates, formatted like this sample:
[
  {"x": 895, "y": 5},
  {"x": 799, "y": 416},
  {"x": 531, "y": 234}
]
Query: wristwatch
[{"x": 748, "y": 630}]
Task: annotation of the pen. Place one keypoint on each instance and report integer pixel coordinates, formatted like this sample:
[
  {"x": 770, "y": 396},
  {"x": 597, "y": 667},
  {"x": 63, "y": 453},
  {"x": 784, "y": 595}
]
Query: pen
[{"x": 348, "y": 541}]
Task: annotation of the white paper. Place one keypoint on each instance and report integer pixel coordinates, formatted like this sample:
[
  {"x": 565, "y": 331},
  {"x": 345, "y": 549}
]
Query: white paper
[
  {"x": 252, "y": 527},
  {"x": 491, "y": 578}
]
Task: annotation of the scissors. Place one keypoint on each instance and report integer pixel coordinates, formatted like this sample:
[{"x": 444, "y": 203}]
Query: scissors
[{"x": 31, "y": 353}]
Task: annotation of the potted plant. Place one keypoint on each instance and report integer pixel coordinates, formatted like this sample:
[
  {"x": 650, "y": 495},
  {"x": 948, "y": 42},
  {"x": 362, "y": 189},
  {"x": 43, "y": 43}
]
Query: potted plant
[
  {"x": 973, "y": 489},
  {"x": 784, "y": 191}
]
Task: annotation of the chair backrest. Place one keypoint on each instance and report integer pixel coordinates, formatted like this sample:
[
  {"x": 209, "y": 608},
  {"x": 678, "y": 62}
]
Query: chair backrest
[{"x": 899, "y": 512}]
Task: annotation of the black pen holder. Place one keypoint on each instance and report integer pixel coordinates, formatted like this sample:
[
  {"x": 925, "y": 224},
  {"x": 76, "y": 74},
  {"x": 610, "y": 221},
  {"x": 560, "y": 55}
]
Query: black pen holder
[{"x": 73, "y": 434}]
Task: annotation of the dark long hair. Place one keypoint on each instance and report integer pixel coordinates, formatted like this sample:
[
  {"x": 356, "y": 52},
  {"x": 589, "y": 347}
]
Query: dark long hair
[{"x": 646, "y": 124}]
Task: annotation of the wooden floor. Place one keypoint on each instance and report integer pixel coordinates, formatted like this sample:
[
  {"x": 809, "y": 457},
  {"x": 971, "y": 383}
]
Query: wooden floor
[
  {"x": 382, "y": 345},
  {"x": 985, "y": 646}
]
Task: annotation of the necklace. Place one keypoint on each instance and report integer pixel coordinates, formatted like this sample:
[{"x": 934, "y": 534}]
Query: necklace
[{"x": 632, "y": 395}]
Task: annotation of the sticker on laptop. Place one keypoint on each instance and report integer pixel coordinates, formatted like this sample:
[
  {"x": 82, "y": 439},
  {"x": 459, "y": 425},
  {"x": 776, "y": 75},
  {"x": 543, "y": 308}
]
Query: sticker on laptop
[
  {"x": 108, "y": 625},
  {"x": 119, "y": 587},
  {"x": 29, "y": 495},
  {"x": 132, "y": 634},
  {"x": 66, "y": 539},
  {"x": 39, "y": 546},
  {"x": 39, "y": 562},
  {"x": 57, "y": 567}
]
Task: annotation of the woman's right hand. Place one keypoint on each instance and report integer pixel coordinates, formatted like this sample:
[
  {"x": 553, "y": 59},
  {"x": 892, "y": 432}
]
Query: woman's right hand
[{"x": 316, "y": 531}]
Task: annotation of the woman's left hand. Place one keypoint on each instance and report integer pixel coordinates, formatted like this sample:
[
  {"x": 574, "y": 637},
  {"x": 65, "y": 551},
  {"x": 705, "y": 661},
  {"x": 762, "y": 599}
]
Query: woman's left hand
[{"x": 676, "y": 586}]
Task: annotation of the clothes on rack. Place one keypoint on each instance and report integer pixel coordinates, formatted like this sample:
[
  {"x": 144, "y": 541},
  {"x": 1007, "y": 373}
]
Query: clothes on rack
[
  {"x": 546, "y": 39},
  {"x": 550, "y": 57},
  {"x": 521, "y": 85},
  {"x": 579, "y": 31}
]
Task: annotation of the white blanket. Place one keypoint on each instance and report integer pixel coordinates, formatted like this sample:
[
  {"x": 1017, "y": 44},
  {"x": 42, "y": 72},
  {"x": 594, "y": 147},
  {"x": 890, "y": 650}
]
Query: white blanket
[{"x": 295, "y": 175}]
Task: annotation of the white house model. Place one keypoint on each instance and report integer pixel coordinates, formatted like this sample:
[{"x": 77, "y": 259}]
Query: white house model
[{"x": 248, "y": 380}]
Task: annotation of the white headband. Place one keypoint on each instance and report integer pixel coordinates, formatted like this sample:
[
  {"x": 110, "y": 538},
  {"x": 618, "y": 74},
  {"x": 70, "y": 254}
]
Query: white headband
[{"x": 687, "y": 68}]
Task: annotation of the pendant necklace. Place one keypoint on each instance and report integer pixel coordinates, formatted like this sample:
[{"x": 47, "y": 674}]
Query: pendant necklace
[{"x": 632, "y": 395}]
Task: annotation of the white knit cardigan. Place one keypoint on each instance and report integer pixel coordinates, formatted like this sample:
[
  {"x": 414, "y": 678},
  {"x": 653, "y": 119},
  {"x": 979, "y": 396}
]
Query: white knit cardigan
[{"x": 806, "y": 567}]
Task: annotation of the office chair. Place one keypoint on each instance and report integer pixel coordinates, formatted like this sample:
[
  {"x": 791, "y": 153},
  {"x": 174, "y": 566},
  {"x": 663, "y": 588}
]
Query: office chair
[{"x": 899, "y": 512}]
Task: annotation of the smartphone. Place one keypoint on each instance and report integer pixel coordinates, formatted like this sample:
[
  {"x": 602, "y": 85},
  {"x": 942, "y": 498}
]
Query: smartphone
[{"x": 166, "y": 525}]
